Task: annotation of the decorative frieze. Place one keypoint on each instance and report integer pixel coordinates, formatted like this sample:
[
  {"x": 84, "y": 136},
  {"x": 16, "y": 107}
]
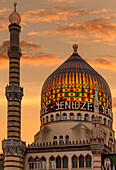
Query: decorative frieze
[
  {"x": 14, "y": 93},
  {"x": 13, "y": 147}
]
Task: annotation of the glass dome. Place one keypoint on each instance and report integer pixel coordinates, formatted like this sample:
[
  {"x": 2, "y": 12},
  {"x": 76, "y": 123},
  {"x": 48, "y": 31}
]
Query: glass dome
[{"x": 75, "y": 80}]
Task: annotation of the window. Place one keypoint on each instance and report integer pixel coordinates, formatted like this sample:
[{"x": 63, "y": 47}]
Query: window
[
  {"x": 67, "y": 139},
  {"x": 79, "y": 116},
  {"x": 47, "y": 119},
  {"x": 43, "y": 163},
  {"x": 88, "y": 161},
  {"x": 71, "y": 116},
  {"x": 58, "y": 162},
  {"x": 81, "y": 161},
  {"x": 64, "y": 116},
  {"x": 86, "y": 117},
  {"x": 37, "y": 163},
  {"x": 65, "y": 162},
  {"x": 92, "y": 117},
  {"x": 31, "y": 163},
  {"x": 52, "y": 118},
  {"x": 52, "y": 162},
  {"x": 55, "y": 140},
  {"x": 57, "y": 117},
  {"x": 74, "y": 162},
  {"x": 61, "y": 139}
]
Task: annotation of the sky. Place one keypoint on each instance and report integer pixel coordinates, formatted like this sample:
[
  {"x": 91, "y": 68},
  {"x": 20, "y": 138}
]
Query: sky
[{"x": 49, "y": 29}]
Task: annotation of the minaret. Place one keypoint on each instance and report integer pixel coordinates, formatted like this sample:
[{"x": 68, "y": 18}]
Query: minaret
[
  {"x": 13, "y": 147},
  {"x": 97, "y": 141}
]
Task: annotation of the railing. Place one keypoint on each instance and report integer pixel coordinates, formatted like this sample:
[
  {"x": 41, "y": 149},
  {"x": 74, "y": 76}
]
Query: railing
[{"x": 59, "y": 144}]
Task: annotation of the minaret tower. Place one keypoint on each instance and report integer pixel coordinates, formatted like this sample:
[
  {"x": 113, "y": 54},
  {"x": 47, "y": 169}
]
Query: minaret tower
[
  {"x": 97, "y": 141},
  {"x": 13, "y": 147}
]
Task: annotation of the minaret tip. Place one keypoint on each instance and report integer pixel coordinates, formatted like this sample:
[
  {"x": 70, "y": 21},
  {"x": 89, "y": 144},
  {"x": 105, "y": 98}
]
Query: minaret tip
[
  {"x": 15, "y": 18},
  {"x": 15, "y": 4},
  {"x": 75, "y": 47}
]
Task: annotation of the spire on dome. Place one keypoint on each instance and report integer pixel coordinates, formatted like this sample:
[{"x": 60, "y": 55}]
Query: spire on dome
[
  {"x": 15, "y": 18},
  {"x": 96, "y": 102},
  {"x": 75, "y": 47}
]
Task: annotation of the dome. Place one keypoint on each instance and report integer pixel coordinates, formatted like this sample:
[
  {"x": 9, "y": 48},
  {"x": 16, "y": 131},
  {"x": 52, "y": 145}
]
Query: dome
[
  {"x": 15, "y": 18},
  {"x": 75, "y": 80}
]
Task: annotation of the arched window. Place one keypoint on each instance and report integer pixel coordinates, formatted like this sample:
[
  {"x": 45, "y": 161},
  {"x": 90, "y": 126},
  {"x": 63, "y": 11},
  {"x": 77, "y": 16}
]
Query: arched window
[
  {"x": 43, "y": 163},
  {"x": 52, "y": 118},
  {"x": 100, "y": 118},
  {"x": 71, "y": 116},
  {"x": 31, "y": 163},
  {"x": 52, "y": 163},
  {"x": 65, "y": 162},
  {"x": 58, "y": 162},
  {"x": 104, "y": 121},
  {"x": 37, "y": 163},
  {"x": 79, "y": 117},
  {"x": 81, "y": 161},
  {"x": 64, "y": 116},
  {"x": 74, "y": 162},
  {"x": 61, "y": 139},
  {"x": 57, "y": 117},
  {"x": 55, "y": 140},
  {"x": 67, "y": 139},
  {"x": 47, "y": 119},
  {"x": 88, "y": 161},
  {"x": 86, "y": 117},
  {"x": 92, "y": 117}
]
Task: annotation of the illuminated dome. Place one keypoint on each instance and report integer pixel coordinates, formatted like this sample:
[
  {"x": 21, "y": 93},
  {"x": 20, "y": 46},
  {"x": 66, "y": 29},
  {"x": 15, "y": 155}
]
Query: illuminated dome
[{"x": 75, "y": 80}]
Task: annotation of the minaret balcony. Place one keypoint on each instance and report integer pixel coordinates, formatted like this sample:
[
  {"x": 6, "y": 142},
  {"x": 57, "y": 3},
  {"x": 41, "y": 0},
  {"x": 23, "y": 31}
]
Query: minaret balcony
[{"x": 14, "y": 92}]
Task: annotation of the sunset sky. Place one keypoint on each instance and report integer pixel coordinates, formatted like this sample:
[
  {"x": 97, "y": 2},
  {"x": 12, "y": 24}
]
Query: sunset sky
[{"x": 49, "y": 28}]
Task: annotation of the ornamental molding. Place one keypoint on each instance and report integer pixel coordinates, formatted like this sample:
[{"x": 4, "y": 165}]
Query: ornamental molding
[
  {"x": 14, "y": 93},
  {"x": 13, "y": 147}
]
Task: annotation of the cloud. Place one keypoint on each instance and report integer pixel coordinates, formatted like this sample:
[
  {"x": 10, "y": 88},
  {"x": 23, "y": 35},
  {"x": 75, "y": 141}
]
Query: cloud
[
  {"x": 57, "y": 14},
  {"x": 101, "y": 29},
  {"x": 105, "y": 62},
  {"x": 31, "y": 54},
  {"x": 3, "y": 19},
  {"x": 46, "y": 59}
]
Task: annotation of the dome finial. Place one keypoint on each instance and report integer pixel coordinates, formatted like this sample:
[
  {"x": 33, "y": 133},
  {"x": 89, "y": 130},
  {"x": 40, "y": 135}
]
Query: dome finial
[
  {"x": 15, "y": 4},
  {"x": 15, "y": 18},
  {"x": 75, "y": 47}
]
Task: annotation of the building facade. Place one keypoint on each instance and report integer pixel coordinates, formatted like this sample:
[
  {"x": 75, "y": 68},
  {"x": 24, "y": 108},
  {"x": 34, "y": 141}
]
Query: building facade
[{"x": 76, "y": 115}]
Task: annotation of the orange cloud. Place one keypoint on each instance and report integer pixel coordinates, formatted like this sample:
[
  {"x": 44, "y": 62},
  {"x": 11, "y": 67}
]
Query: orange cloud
[
  {"x": 57, "y": 14},
  {"x": 104, "y": 62},
  {"x": 31, "y": 54},
  {"x": 46, "y": 59},
  {"x": 97, "y": 29},
  {"x": 3, "y": 19}
]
